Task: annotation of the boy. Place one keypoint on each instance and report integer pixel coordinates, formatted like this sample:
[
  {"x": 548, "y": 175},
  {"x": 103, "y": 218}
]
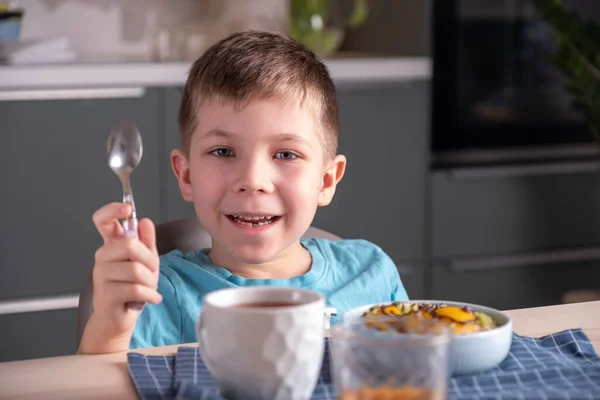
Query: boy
[{"x": 258, "y": 125}]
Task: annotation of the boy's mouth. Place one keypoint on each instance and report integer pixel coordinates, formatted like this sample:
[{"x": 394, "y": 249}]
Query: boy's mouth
[{"x": 254, "y": 221}]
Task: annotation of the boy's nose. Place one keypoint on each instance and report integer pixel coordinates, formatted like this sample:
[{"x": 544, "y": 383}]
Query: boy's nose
[{"x": 254, "y": 176}]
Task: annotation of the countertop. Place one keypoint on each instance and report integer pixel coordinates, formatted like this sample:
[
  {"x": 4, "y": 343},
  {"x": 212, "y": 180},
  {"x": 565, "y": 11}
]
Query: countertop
[
  {"x": 344, "y": 69},
  {"x": 106, "y": 376}
]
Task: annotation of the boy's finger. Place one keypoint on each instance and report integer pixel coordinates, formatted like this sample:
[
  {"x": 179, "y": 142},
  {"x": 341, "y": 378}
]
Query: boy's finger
[
  {"x": 132, "y": 272},
  {"x": 126, "y": 249},
  {"x": 121, "y": 292},
  {"x": 105, "y": 217}
]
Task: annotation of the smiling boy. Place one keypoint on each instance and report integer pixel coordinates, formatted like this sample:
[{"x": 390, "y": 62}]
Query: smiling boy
[{"x": 259, "y": 129}]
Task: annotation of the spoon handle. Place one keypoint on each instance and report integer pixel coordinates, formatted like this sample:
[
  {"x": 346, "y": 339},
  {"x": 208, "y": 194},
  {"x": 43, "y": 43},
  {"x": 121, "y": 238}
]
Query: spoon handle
[{"x": 130, "y": 226}]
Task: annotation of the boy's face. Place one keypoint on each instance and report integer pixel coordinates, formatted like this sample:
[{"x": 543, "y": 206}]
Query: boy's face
[{"x": 256, "y": 177}]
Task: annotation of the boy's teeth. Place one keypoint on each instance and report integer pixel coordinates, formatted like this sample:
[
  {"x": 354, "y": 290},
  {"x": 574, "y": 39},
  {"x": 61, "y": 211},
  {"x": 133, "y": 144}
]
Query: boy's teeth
[{"x": 253, "y": 220}]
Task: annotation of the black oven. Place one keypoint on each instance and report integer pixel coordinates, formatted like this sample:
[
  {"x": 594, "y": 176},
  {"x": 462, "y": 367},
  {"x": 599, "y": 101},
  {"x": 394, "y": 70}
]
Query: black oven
[{"x": 495, "y": 97}]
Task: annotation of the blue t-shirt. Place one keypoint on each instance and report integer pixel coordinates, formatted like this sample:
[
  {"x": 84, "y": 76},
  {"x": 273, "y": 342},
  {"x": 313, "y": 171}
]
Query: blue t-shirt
[{"x": 349, "y": 273}]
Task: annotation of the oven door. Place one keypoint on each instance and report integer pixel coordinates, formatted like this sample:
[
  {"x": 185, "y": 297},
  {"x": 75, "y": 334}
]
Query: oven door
[{"x": 496, "y": 98}]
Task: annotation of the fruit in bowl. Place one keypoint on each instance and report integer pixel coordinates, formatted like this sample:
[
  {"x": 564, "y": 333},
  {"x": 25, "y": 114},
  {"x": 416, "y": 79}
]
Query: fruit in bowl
[
  {"x": 461, "y": 320},
  {"x": 481, "y": 335}
]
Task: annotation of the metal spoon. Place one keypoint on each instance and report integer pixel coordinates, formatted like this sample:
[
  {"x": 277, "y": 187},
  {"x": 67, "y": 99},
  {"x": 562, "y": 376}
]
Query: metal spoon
[{"x": 125, "y": 150}]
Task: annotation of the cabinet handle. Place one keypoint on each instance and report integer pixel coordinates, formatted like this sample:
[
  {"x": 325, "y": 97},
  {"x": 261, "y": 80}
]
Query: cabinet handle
[
  {"x": 36, "y": 304},
  {"x": 72, "y": 94},
  {"x": 521, "y": 260},
  {"x": 505, "y": 171}
]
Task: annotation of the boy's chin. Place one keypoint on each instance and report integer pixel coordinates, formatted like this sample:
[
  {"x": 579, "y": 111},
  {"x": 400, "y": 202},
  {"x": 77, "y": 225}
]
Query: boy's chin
[{"x": 257, "y": 254}]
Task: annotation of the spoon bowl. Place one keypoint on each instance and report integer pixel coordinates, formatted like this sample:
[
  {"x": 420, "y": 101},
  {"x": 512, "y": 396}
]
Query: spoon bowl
[{"x": 124, "y": 148}]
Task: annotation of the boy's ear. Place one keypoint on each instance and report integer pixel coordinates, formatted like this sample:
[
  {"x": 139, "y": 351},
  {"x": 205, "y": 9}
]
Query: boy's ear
[
  {"x": 333, "y": 174},
  {"x": 181, "y": 169}
]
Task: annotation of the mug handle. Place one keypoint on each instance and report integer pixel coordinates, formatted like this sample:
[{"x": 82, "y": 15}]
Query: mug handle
[{"x": 329, "y": 311}]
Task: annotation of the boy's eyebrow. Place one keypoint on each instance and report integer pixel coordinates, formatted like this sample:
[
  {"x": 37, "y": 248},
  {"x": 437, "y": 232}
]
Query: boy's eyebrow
[
  {"x": 216, "y": 133},
  {"x": 292, "y": 137},
  {"x": 283, "y": 137}
]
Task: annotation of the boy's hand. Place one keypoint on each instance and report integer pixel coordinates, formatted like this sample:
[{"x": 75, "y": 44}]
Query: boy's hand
[{"x": 125, "y": 270}]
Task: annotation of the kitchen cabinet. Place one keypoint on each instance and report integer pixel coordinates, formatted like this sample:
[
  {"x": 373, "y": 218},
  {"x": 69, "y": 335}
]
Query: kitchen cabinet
[
  {"x": 515, "y": 236},
  {"x": 384, "y": 135},
  {"x": 508, "y": 287},
  {"x": 478, "y": 211},
  {"x": 55, "y": 174},
  {"x": 38, "y": 334}
]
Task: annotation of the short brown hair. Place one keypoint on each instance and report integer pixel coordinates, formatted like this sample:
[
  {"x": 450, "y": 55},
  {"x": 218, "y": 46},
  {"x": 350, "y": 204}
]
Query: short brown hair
[{"x": 252, "y": 64}]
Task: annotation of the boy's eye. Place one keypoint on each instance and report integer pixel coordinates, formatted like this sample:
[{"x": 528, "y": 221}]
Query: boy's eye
[
  {"x": 286, "y": 155},
  {"x": 222, "y": 152}
]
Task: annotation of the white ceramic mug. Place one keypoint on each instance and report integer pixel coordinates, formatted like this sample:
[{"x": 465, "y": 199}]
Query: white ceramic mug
[{"x": 263, "y": 342}]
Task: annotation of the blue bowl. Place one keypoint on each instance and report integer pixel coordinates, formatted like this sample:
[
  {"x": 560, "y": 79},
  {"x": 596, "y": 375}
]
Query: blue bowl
[{"x": 468, "y": 353}]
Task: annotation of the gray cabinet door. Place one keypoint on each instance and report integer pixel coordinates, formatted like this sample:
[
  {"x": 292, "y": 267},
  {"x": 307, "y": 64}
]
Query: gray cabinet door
[
  {"x": 38, "y": 334},
  {"x": 175, "y": 206},
  {"x": 54, "y": 170},
  {"x": 515, "y": 287},
  {"x": 384, "y": 134},
  {"x": 520, "y": 209}
]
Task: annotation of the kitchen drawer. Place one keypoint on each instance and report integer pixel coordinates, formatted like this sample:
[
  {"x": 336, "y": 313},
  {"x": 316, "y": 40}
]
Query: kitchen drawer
[
  {"x": 505, "y": 210},
  {"x": 38, "y": 334},
  {"x": 508, "y": 282}
]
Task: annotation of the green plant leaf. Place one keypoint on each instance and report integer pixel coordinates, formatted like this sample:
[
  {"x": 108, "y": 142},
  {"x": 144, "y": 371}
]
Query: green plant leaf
[
  {"x": 578, "y": 57},
  {"x": 359, "y": 14},
  {"x": 308, "y": 8},
  {"x": 574, "y": 88},
  {"x": 322, "y": 38}
]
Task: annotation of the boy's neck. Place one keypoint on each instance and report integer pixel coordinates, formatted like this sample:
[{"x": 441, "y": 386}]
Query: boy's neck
[{"x": 291, "y": 262}]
